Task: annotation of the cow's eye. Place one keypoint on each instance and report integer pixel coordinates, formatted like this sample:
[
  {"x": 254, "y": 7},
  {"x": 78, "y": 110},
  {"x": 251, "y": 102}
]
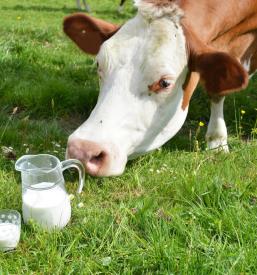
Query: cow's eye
[{"x": 164, "y": 83}]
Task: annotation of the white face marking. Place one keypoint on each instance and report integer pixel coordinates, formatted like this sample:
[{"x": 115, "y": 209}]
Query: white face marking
[{"x": 128, "y": 118}]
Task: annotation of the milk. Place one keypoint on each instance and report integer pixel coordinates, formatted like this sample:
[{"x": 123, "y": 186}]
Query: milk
[
  {"x": 9, "y": 236},
  {"x": 48, "y": 207}
]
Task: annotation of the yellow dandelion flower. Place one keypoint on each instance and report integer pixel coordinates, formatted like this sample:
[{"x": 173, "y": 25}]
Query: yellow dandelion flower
[
  {"x": 242, "y": 112},
  {"x": 201, "y": 124},
  {"x": 18, "y": 18}
]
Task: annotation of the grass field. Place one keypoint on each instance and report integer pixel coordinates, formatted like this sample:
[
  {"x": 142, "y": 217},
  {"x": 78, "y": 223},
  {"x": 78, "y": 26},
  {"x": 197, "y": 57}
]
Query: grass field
[{"x": 177, "y": 210}]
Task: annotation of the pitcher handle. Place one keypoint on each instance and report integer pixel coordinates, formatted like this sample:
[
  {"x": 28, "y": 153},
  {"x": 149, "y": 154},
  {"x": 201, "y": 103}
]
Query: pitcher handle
[{"x": 74, "y": 163}]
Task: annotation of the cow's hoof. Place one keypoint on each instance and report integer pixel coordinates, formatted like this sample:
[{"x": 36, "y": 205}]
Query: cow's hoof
[{"x": 218, "y": 145}]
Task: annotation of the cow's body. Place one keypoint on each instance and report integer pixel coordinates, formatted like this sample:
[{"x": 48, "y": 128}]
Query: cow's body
[
  {"x": 229, "y": 26},
  {"x": 163, "y": 53}
]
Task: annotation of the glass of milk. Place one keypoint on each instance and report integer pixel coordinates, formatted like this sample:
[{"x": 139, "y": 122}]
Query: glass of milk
[
  {"x": 10, "y": 229},
  {"x": 44, "y": 197}
]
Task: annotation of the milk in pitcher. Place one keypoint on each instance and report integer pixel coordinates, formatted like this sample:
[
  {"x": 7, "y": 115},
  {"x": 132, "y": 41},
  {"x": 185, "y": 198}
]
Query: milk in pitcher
[
  {"x": 44, "y": 197},
  {"x": 48, "y": 207}
]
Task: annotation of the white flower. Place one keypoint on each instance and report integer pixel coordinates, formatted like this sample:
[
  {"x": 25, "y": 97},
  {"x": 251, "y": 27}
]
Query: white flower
[
  {"x": 56, "y": 144},
  {"x": 80, "y": 205},
  {"x": 106, "y": 261}
]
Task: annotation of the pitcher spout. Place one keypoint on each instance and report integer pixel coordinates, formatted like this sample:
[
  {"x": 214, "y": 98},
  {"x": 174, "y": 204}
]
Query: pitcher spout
[{"x": 24, "y": 163}]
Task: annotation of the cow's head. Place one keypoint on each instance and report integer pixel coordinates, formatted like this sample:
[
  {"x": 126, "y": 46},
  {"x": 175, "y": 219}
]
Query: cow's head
[{"x": 148, "y": 70}]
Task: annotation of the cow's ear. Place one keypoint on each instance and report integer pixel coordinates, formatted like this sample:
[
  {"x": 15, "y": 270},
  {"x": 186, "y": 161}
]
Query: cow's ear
[
  {"x": 220, "y": 73},
  {"x": 87, "y": 32}
]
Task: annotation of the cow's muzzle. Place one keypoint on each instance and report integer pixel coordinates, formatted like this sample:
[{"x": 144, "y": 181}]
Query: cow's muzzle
[{"x": 97, "y": 159}]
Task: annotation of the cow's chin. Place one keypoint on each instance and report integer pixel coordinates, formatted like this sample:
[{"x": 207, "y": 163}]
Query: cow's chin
[{"x": 109, "y": 159}]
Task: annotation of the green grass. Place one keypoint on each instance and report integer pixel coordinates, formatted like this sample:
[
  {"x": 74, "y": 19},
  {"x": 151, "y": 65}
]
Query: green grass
[{"x": 174, "y": 211}]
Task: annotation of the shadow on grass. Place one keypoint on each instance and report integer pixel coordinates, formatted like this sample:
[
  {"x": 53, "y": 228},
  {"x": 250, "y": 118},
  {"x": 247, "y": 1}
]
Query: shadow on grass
[{"x": 46, "y": 92}]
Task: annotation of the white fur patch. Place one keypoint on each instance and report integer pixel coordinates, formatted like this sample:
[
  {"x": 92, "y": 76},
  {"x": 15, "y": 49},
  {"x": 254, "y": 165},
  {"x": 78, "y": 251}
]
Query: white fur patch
[{"x": 151, "y": 11}]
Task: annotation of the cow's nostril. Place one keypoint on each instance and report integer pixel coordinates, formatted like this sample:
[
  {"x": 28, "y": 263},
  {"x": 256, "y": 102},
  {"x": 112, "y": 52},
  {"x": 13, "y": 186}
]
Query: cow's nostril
[
  {"x": 94, "y": 157},
  {"x": 96, "y": 163},
  {"x": 97, "y": 160}
]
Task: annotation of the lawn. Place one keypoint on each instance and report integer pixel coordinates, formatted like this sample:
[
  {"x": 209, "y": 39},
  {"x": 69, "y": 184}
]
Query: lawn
[{"x": 178, "y": 210}]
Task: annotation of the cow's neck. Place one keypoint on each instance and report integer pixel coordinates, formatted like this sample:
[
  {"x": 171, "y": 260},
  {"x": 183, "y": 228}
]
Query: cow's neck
[
  {"x": 212, "y": 19},
  {"x": 228, "y": 26}
]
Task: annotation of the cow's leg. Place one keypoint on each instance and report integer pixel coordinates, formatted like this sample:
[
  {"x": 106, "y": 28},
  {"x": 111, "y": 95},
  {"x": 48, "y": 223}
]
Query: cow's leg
[
  {"x": 122, "y": 2},
  {"x": 86, "y": 6},
  {"x": 120, "y": 9},
  {"x": 78, "y": 4},
  {"x": 216, "y": 135}
]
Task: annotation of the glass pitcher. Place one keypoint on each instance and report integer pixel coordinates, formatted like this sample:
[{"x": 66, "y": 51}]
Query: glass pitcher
[{"x": 44, "y": 197}]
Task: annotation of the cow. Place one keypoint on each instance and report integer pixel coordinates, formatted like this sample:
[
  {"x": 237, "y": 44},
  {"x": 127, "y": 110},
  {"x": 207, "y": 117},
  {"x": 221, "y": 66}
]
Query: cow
[{"x": 149, "y": 68}]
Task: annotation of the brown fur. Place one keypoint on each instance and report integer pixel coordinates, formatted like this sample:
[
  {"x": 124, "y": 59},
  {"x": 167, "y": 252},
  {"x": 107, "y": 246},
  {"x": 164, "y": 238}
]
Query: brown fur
[
  {"x": 219, "y": 34},
  {"x": 87, "y": 32},
  {"x": 189, "y": 87},
  {"x": 220, "y": 73}
]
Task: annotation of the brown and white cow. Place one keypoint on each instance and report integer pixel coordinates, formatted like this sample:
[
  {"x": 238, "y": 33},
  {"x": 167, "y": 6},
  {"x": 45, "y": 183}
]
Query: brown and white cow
[{"x": 149, "y": 69}]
